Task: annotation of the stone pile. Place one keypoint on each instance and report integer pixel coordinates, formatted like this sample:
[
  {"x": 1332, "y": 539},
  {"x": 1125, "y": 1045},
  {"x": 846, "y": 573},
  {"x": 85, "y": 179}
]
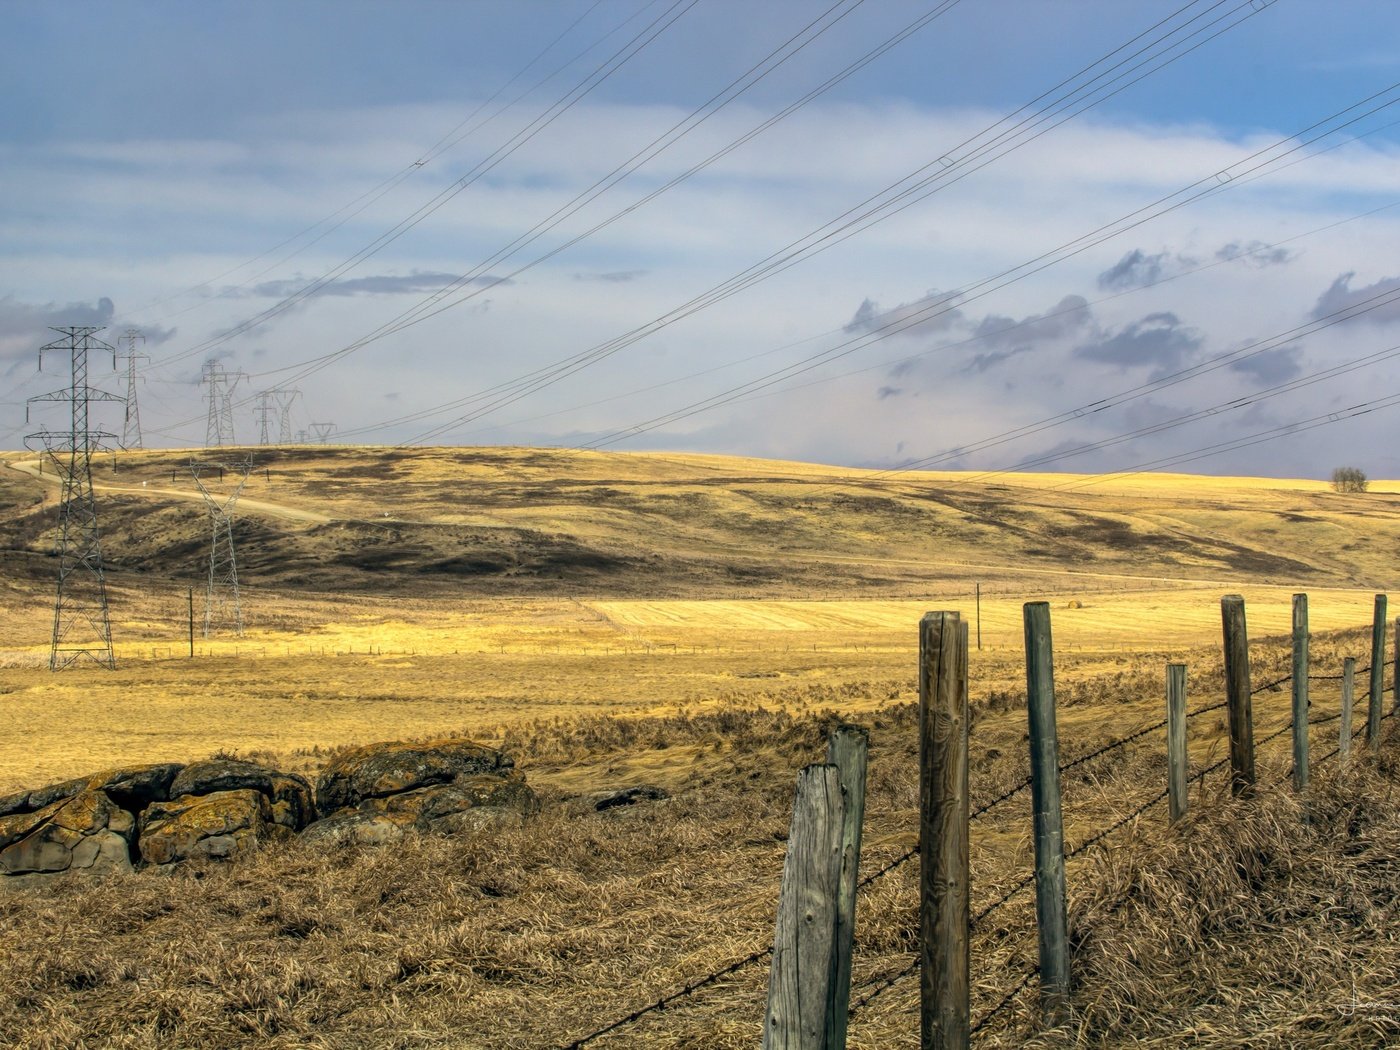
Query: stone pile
[{"x": 159, "y": 815}]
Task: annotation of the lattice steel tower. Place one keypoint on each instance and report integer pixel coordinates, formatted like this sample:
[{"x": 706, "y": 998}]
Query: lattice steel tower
[
  {"x": 219, "y": 431},
  {"x": 263, "y": 412},
  {"x": 285, "y": 398},
  {"x": 82, "y": 626},
  {"x": 131, "y": 428},
  {"x": 221, "y": 599}
]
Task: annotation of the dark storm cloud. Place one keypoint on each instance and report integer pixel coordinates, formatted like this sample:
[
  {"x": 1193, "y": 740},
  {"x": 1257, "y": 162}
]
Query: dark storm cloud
[
  {"x": 1342, "y": 296},
  {"x": 997, "y": 338},
  {"x": 1159, "y": 341},
  {"x": 1132, "y": 271},
  {"x": 888, "y": 392},
  {"x": 616, "y": 277},
  {"x": 934, "y": 312},
  {"x": 24, "y": 327},
  {"x": 984, "y": 362},
  {"x": 1272, "y": 366},
  {"x": 375, "y": 284},
  {"x": 1256, "y": 254},
  {"x": 1069, "y": 316}
]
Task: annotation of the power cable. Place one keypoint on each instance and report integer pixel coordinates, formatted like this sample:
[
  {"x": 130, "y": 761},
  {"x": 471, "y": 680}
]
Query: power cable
[
  {"x": 676, "y": 10},
  {"x": 1164, "y": 205}
]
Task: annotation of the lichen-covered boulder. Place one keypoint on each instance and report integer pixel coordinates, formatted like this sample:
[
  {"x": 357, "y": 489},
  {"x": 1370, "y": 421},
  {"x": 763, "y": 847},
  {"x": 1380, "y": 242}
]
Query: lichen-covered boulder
[
  {"x": 381, "y": 770},
  {"x": 219, "y": 825},
  {"x": 352, "y": 827},
  {"x": 430, "y": 808},
  {"x": 86, "y": 833},
  {"x": 133, "y": 788},
  {"x": 292, "y": 801}
]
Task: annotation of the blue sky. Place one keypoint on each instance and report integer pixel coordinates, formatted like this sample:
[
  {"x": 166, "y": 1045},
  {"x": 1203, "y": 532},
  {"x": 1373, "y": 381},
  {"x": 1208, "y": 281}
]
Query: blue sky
[{"x": 150, "y": 151}]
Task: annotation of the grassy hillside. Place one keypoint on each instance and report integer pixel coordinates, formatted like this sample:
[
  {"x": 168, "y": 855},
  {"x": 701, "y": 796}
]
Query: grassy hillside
[{"x": 695, "y": 623}]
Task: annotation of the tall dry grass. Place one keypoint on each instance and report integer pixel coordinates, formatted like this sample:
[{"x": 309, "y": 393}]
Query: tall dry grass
[{"x": 1261, "y": 923}]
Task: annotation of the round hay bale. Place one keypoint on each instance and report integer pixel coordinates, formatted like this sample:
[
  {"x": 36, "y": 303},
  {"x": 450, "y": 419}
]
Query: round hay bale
[{"x": 1074, "y": 603}]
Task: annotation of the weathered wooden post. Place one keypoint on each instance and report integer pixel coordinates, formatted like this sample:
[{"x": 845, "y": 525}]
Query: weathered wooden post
[
  {"x": 1050, "y": 908},
  {"x": 1395, "y": 678},
  {"x": 1300, "y": 692},
  {"x": 846, "y": 749},
  {"x": 799, "y": 981},
  {"x": 1373, "y": 713},
  {"x": 1237, "y": 694},
  {"x": 1176, "y": 741},
  {"x": 1348, "y": 693},
  {"x": 191, "y": 597},
  {"x": 944, "y": 978}
]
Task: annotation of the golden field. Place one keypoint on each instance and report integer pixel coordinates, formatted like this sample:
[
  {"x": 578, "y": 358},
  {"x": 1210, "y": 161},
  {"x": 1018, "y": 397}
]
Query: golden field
[
  {"x": 693, "y": 622},
  {"x": 503, "y": 586}
]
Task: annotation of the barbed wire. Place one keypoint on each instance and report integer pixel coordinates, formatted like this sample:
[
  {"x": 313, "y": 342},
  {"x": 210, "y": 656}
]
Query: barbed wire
[
  {"x": 885, "y": 984},
  {"x": 891, "y": 980},
  {"x": 1006, "y": 1001},
  {"x": 666, "y": 1000}
]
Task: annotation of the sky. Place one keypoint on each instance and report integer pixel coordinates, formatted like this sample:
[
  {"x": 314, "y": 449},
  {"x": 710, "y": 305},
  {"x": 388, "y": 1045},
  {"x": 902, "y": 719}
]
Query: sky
[{"x": 986, "y": 235}]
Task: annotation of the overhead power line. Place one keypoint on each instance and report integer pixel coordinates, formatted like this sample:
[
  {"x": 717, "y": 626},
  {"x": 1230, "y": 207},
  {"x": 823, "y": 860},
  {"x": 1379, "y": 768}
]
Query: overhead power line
[
  {"x": 544, "y": 119},
  {"x": 1084, "y": 89},
  {"x": 336, "y": 219},
  {"x": 1257, "y": 162}
]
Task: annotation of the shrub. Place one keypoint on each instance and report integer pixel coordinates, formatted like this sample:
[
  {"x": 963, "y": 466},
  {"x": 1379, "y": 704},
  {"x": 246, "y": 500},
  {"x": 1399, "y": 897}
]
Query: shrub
[{"x": 1349, "y": 479}]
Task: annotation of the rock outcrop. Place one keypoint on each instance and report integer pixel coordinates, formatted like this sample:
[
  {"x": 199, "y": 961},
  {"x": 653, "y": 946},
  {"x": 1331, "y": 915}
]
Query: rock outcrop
[
  {"x": 162, "y": 814},
  {"x": 86, "y": 832},
  {"x": 374, "y": 794}
]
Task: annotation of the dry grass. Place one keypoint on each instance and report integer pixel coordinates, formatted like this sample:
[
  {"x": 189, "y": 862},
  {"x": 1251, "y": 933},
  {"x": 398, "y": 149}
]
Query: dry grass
[
  {"x": 695, "y": 623},
  {"x": 1246, "y": 926}
]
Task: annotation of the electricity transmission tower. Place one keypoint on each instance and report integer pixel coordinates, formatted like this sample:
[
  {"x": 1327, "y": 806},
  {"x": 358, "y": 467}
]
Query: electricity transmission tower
[
  {"x": 131, "y": 428},
  {"x": 219, "y": 431},
  {"x": 323, "y": 431},
  {"x": 221, "y": 600},
  {"x": 284, "y": 419},
  {"x": 279, "y": 402},
  {"x": 263, "y": 411},
  {"x": 82, "y": 626}
]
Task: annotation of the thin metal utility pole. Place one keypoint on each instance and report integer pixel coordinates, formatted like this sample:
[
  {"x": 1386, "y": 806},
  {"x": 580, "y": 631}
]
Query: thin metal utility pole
[{"x": 81, "y": 622}]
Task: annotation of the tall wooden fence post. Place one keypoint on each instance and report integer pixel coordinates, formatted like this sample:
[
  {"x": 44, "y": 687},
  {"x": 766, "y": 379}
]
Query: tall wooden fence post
[
  {"x": 1176, "y": 741},
  {"x": 944, "y": 915},
  {"x": 799, "y": 982},
  {"x": 1300, "y": 692},
  {"x": 1395, "y": 682},
  {"x": 1050, "y": 908},
  {"x": 1237, "y": 694},
  {"x": 191, "y": 597},
  {"x": 846, "y": 749},
  {"x": 1348, "y": 693},
  {"x": 1373, "y": 712}
]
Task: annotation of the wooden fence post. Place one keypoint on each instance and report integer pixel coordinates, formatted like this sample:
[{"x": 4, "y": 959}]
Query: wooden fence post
[
  {"x": 1348, "y": 693},
  {"x": 1395, "y": 683},
  {"x": 1237, "y": 694},
  {"x": 1300, "y": 692},
  {"x": 944, "y": 918},
  {"x": 1176, "y": 741},
  {"x": 1050, "y": 906},
  {"x": 799, "y": 981},
  {"x": 846, "y": 749},
  {"x": 1373, "y": 713}
]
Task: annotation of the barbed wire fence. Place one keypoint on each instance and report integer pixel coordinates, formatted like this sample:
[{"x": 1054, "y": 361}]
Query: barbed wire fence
[{"x": 876, "y": 987}]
